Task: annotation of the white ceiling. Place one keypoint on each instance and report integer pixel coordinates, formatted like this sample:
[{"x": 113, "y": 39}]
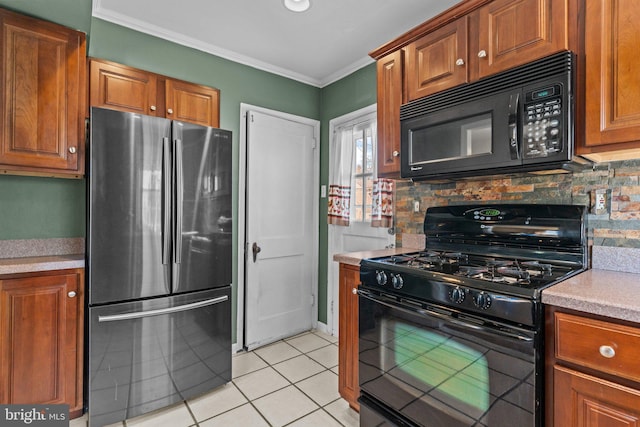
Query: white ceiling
[{"x": 329, "y": 41}]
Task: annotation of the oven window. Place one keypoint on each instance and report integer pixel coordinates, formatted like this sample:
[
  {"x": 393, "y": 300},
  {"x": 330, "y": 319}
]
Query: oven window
[
  {"x": 460, "y": 138},
  {"x": 438, "y": 372},
  {"x": 455, "y": 368}
]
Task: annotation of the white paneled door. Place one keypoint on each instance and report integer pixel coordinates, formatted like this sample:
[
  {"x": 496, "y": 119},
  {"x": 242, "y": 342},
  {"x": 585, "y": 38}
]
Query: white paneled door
[{"x": 280, "y": 264}]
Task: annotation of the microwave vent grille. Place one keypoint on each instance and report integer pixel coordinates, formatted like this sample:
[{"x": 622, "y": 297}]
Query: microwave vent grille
[{"x": 559, "y": 63}]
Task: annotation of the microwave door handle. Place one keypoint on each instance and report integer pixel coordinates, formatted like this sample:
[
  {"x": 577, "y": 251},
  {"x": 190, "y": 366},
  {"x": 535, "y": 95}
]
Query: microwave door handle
[{"x": 514, "y": 103}]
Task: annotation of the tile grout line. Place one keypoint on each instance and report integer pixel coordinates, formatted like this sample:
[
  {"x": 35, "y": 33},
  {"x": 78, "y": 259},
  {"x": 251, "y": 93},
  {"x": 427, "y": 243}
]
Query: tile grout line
[{"x": 269, "y": 365}]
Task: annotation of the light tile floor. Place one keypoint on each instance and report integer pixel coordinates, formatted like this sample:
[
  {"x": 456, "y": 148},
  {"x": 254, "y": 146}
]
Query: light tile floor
[{"x": 293, "y": 382}]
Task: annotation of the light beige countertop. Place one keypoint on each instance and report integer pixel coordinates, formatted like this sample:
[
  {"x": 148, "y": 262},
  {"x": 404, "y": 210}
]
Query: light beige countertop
[
  {"x": 604, "y": 292},
  {"x": 40, "y": 263},
  {"x": 354, "y": 258}
]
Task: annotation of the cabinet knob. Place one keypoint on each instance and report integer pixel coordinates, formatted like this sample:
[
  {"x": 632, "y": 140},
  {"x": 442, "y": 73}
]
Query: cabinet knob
[
  {"x": 482, "y": 54},
  {"x": 152, "y": 108},
  {"x": 71, "y": 294},
  {"x": 72, "y": 150},
  {"x": 460, "y": 62},
  {"x": 354, "y": 291},
  {"x": 170, "y": 111},
  {"x": 396, "y": 153},
  {"x": 607, "y": 351}
]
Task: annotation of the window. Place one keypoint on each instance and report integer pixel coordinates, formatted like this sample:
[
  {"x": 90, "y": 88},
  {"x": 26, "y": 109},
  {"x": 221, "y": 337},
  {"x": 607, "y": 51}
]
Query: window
[{"x": 363, "y": 172}]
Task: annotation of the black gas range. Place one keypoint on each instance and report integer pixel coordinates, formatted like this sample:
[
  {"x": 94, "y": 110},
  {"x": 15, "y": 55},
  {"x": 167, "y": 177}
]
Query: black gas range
[
  {"x": 472, "y": 294},
  {"x": 494, "y": 260}
]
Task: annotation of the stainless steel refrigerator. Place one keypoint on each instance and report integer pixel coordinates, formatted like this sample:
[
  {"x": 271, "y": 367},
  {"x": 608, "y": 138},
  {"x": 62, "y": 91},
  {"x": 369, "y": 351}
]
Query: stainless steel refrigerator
[{"x": 159, "y": 263}]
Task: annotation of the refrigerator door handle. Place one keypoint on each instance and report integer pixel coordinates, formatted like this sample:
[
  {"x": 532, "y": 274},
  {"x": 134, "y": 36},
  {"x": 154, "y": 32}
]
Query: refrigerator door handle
[
  {"x": 177, "y": 243},
  {"x": 161, "y": 311},
  {"x": 166, "y": 202}
]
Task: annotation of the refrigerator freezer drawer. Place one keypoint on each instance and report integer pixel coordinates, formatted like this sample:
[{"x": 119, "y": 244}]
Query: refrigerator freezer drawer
[{"x": 149, "y": 354}]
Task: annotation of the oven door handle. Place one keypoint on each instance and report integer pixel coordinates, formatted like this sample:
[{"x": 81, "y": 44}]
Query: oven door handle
[{"x": 426, "y": 312}]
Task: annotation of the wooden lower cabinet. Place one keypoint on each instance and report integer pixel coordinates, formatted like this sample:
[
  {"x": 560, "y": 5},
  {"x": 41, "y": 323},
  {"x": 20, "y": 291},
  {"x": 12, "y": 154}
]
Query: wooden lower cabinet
[
  {"x": 41, "y": 338},
  {"x": 592, "y": 373},
  {"x": 583, "y": 400},
  {"x": 348, "y": 335}
]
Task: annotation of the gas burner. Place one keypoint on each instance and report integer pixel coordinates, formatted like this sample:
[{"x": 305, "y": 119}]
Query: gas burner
[
  {"x": 445, "y": 262},
  {"x": 522, "y": 276},
  {"x": 535, "y": 265},
  {"x": 400, "y": 259},
  {"x": 491, "y": 262}
]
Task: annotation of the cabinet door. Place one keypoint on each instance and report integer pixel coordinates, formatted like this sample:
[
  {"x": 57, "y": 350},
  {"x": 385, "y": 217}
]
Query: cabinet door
[
  {"x": 612, "y": 94},
  {"x": 389, "y": 77},
  {"x": 438, "y": 60},
  {"x": 40, "y": 339},
  {"x": 348, "y": 335},
  {"x": 42, "y": 96},
  {"x": 123, "y": 88},
  {"x": 582, "y": 400},
  {"x": 514, "y": 32},
  {"x": 192, "y": 103}
]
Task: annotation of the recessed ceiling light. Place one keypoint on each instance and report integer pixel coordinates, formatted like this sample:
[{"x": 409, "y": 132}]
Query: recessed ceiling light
[{"x": 297, "y": 5}]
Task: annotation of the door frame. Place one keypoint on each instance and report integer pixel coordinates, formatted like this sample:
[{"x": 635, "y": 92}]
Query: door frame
[{"x": 242, "y": 206}]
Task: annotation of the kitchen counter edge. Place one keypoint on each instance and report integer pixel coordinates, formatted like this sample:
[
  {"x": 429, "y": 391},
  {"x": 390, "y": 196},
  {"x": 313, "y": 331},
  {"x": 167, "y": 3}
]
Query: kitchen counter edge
[
  {"x": 603, "y": 292},
  {"x": 40, "y": 263},
  {"x": 354, "y": 258}
]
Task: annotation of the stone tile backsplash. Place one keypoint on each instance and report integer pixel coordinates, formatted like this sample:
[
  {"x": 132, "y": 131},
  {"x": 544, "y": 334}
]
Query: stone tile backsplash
[{"x": 618, "y": 227}]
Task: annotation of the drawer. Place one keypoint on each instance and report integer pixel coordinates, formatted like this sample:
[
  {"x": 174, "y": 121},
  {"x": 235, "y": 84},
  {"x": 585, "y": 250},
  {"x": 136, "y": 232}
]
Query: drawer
[{"x": 605, "y": 346}]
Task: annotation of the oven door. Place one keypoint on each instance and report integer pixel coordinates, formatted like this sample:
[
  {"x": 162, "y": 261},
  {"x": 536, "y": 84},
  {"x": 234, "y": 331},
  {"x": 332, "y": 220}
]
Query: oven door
[{"x": 430, "y": 367}]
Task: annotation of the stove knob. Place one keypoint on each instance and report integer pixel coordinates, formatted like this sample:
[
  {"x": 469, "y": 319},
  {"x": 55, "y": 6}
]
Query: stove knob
[
  {"x": 396, "y": 281},
  {"x": 381, "y": 278},
  {"x": 457, "y": 295},
  {"x": 482, "y": 300}
]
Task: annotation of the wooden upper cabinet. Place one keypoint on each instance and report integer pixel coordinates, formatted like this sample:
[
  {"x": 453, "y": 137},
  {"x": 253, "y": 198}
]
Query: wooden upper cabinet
[
  {"x": 122, "y": 88},
  {"x": 41, "y": 339},
  {"x": 438, "y": 60},
  {"x": 193, "y": 103},
  {"x": 43, "y": 92},
  {"x": 612, "y": 91},
  {"x": 514, "y": 32},
  {"x": 390, "y": 90}
]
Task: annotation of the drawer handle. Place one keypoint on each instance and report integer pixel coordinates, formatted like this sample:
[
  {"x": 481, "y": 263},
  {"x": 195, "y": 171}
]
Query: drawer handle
[
  {"x": 354, "y": 291},
  {"x": 607, "y": 351}
]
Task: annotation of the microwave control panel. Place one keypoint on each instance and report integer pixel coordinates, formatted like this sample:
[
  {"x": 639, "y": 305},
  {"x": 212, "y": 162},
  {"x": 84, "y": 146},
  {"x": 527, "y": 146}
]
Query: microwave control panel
[{"x": 542, "y": 127}]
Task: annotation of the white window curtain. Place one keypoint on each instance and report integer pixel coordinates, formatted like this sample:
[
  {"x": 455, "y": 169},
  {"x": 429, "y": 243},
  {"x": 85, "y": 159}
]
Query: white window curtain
[{"x": 340, "y": 178}]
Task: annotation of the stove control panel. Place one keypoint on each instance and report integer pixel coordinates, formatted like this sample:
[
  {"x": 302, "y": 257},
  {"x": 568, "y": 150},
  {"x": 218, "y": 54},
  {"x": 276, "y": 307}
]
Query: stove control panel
[
  {"x": 438, "y": 289},
  {"x": 488, "y": 214}
]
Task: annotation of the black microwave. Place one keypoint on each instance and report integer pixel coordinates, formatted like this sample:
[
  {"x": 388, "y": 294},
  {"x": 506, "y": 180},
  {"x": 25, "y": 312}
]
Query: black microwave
[{"x": 520, "y": 120}]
